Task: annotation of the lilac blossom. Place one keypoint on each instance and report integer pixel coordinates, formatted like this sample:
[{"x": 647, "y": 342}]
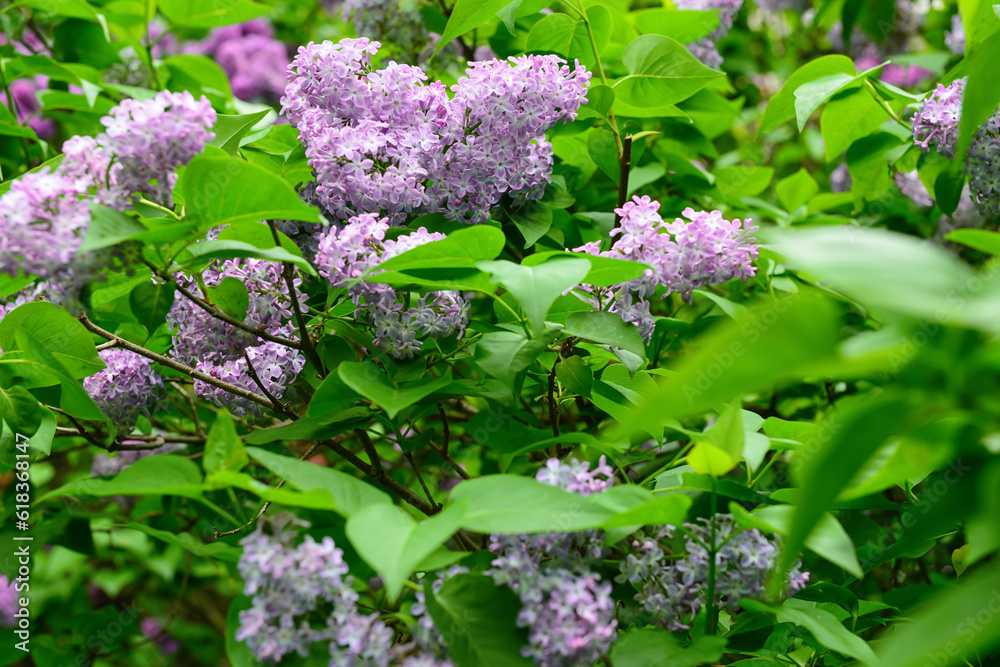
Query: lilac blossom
[
  {"x": 936, "y": 123},
  {"x": 251, "y": 57},
  {"x": 706, "y": 249},
  {"x": 840, "y": 178},
  {"x": 149, "y": 139},
  {"x": 385, "y": 141},
  {"x": 290, "y": 582},
  {"x": 912, "y": 187},
  {"x": 670, "y": 569},
  {"x": 8, "y": 602},
  {"x": 153, "y": 627},
  {"x": 360, "y": 245},
  {"x": 127, "y": 388},
  {"x": 982, "y": 164},
  {"x": 705, "y": 49},
  {"x": 954, "y": 38},
  {"x": 567, "y": 608},
  {"x": 224, "y": 351},
  {"x": 43, "y": 219},
  {"x": 26, "y": 105},
  {"x": 108, "y": 465}
]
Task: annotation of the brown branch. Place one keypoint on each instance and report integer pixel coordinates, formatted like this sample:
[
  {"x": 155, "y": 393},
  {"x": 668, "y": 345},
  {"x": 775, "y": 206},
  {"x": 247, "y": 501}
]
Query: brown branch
[
  {"x": 624, "y": 166},
  {"x": 307, "y": 344},
  {"x": 219, "y": 314},
  {"x": 420, "y": 478},
  {"x": 374, "y": 461},
  {"x": 276, "y": 405},
  {"x": 176, "y": 365}
]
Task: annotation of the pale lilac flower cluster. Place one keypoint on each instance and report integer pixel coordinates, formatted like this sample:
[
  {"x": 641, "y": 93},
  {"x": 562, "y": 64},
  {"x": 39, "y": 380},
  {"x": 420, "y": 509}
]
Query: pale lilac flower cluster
[
  {"x": 8, "y": 602},
  {"x": 149, "y": 139},
  {"x": 982, "y": 164},
  {"x": 290, "y": 582},
  {"x": 705, "y": 250},
  {"x": 127, "y": 388},
  {"x": 840, "y": 179},
  {"x": 954, "y": 38},
  {"x": 346, "y": 253},
  {"x": 221, "y": 349},
  {"x": 566, "y": 606},
  {"x": 936, "y": 123},
  {"x": 901, "y": 76},
  {"x": 913, "y": 188},
  {"x": 251, "y": 57},
  {"x": 386, "y": 141},
  {"x": 671, "y": 570},
  {"x": 705, "y": 49},
  {"x": 42, "y": 222},
  {"x": 152, "y": 627},
  {"x": 393, "y": 23}
]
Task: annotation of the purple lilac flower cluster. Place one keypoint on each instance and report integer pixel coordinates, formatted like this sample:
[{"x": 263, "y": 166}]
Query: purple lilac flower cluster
[
  {"x": 706, "y": 249},
  {"x": 913, "y": 188},
  {"x": 127, "y": 388},
  {"x": 705, "y": 49},
  {"x": 251, "y": 57},
  {"x": 954, "y": 38},
  {"x": 386, "y": 141},
  {"x": 24, "y": 92},
  {"x": 346, "y": 253},
  {"x": 391, "y": 22},
  {"x": 224, "y": 351},
  {"x": 672, "y": 578},
  {"x": 294, "y": 583},
  {"x": 982, "y": 164},
  {"x": 8, "y": 602},
  {"x": 149, "y": 139},
  {"x": 565, "y": 604}
]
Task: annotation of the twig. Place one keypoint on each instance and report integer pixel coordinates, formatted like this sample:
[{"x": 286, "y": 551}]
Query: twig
[
  {"x": 307, "y": 344},
  {"x": 190, "y": 402},
  {"x": 176, "y": 365},
  {"x": 374, "y": 461},
  {"x": 553, "y": 408},
  {"x": 445, "y": 429},
  {"x": 276, "y": 405},
  {"x": 420, "y": 478},
  {"x": 624, "y": 166}
]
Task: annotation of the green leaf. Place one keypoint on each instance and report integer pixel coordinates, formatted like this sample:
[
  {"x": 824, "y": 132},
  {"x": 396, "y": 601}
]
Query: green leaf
[
  {"x": 655, "y": 647},
  {"x": 848, "y": 118},
  {"x": 982, "y": 240},
  {"x": 400, "y": 544},
  {"x": 315, "y": 427},
  {"x": 200, "y": 254},
  {"x": 232, "y": 297},
  {"x": 224, "y": 190},
  {"x": 604, "y": 271},
  {"x": 56, "y": 331},
  {"x": 661, "y": 71},
  {"x": 823, "y": 625},
  {"x": 828, "y": 539},
  {"x": 575, "y": 374},
  {"x": 773, "y": 340},
  {"x": 722, "y": 447},
  {"x": 230, "y": 130},
  {"x": 108, "y": 227},
  {"x": 810, "y": 96},
  {"x": 478, "y": 621},
  {"x": 217, "y": 550},
  {"x": 568, "y": 37},
  {"x": 945, "y": 628},
  {"x": 211, "y": 13},
  {"x": 743, "y": 180},
  {"x": 349, "y": 494},
  {"x": 920, "y": 281},
  {"x": 981, "y": 96},
  {"x": 314, "y": 499},
  {"x": 667, "y": 510},
  {"x": 371, "y": 382},
  {"x": 826, "y": 468},
  {"x": 150, "y": 302},
  {"x": 537, "y": 287},
  {"x": 683, "y": 26},
  {"x": 795, "y": 190},
  {"x": 514, "y": 504},
  {"x": 223, "y": 448},
  {"x": 150, "y": 475},
  {"x": 467, "y": 15},
  {"x": 606, "y": 328},
  {"x": 781, "y": 107},
  {"x": 507, "y": 354},
  {"x": 200, "y": 75},
  {"x": 461, "y": 249}
]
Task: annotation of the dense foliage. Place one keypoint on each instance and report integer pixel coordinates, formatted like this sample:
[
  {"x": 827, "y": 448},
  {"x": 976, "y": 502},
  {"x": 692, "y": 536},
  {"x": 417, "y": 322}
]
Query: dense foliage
[{"x": 483, "y": 333}]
